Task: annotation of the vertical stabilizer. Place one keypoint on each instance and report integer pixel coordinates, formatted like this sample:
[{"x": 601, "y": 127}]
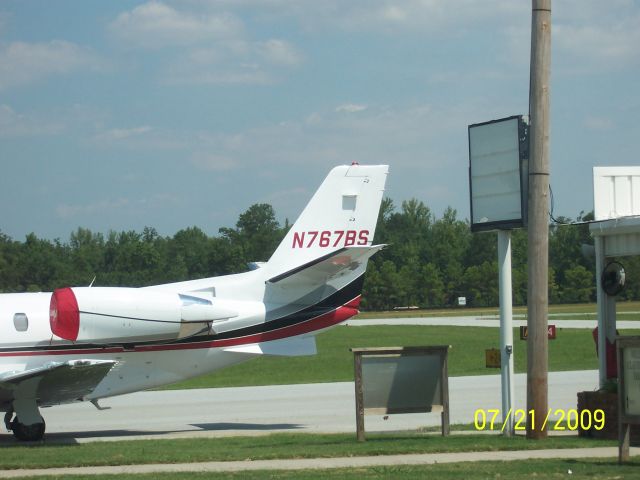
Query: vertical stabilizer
[{"x": 342, "y": 213}]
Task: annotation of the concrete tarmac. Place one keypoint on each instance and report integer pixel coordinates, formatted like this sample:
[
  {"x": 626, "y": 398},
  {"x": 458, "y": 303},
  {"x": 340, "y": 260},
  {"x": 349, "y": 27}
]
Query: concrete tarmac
[
  {"x": 319, "y": 408},
  {"x": 482, "y": 322}
]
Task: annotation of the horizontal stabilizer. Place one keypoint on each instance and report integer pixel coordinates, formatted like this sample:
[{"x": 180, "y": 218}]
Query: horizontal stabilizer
[
  {"x": 335, "y": 264},
  {"x": 288, "y": 347}
]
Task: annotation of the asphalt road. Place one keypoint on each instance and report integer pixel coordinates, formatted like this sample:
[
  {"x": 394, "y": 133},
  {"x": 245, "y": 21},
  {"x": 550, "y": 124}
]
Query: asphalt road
[{"x": 327, "y": 407}]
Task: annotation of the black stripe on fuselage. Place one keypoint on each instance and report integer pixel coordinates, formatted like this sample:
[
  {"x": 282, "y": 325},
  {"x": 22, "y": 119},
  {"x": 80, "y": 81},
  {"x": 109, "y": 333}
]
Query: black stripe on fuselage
[{"x": 329, "y": 304}]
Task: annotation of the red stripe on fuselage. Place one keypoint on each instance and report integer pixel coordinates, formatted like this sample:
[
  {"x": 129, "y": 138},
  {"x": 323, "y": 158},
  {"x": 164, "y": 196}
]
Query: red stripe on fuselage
[{"x": 318, "y": 323}]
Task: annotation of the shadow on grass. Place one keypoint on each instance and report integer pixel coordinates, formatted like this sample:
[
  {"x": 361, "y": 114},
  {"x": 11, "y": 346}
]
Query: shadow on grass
[{"x": 73, "y": 438}]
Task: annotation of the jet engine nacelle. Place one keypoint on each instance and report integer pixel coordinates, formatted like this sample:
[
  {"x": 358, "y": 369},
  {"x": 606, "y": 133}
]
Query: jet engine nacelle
[{"x": 113, "y": 314}]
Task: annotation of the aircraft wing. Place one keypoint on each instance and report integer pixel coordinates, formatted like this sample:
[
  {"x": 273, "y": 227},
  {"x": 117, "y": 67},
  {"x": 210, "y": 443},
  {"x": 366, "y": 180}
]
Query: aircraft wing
[
  {"x": 55, "y": 382},
  {"x": 329, "y": 266}
]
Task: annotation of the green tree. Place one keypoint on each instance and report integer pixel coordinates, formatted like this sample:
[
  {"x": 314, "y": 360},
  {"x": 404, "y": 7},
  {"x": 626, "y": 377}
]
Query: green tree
[
  {"x": 257, "y": 232},
  {"x": 480, "y": 284},
  {"x": 132, "y": 259},
  {"x": 41, "y": 264},
  {"x": 578, "y": 286},
  {"x": 431, "y": 291},
  {"x": 448, "y": 246},
  {"x": 10, "y": 273},
  {"x": 86, "y": 252},
  {"x": 372, "y": 291},
  {"x": 430, "y": 261},
  {"x": 226, "y": 257},
  {"x": 191, "y": 246},
  {"x": 387, "y": 209},
  {"x": 390, "y": 292},
  {"x": 565, "y": 253}
]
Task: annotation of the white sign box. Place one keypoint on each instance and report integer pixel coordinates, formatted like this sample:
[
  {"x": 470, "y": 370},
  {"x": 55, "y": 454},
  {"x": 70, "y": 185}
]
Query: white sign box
[{"x": 498, "y": 167}]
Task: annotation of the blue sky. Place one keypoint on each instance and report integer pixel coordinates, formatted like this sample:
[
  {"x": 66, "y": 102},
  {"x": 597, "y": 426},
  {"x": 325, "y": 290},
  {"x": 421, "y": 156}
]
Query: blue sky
[{"x": 119, "y": 115}]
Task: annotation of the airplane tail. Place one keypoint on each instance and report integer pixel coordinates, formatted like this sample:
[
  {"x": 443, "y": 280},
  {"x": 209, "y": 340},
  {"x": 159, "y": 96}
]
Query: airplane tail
[
  {"x": 342, "y": 213},
  {"x": 319, "y": 266},
  {"x": 314, "y": 279}
]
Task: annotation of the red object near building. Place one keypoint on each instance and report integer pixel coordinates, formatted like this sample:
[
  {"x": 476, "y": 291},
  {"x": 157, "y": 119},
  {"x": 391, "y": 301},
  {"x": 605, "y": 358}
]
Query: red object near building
[{"x": 612, "y": 358}]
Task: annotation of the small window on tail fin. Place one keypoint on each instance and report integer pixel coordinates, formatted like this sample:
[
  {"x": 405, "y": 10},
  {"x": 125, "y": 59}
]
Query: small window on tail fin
[{"x": 349, "y": 202}]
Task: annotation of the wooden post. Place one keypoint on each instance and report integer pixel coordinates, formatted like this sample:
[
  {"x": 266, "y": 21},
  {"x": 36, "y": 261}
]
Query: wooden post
[
  {"x": 444, "y": 392},
  {"x": 357, "y": 365},
  {"x": 538, "y": 224},
  {"x": 624, "y": 429}
]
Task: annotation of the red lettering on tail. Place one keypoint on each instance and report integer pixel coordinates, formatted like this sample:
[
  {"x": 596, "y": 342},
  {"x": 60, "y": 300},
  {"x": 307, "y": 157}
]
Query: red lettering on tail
[
  {"x": 327, "y": 238},
  {"x": 298, "y": 239}
]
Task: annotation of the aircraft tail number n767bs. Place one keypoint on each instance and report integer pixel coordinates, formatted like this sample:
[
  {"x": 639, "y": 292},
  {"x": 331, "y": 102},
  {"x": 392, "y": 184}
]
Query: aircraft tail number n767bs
[
  {"x": 87, "y": 343},
  {"x": 327, "y": 238}
]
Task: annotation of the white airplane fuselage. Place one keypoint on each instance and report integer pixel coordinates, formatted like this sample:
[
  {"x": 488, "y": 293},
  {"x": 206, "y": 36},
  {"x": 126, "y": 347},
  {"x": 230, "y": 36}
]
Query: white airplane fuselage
[
  {"x": 138, "y": 367},
  {"x": 143, "y": 364},
  {"x": 87, "y": 343}
]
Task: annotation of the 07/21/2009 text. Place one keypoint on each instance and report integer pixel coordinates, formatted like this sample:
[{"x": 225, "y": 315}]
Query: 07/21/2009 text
[{"x": 486, "y": 419}]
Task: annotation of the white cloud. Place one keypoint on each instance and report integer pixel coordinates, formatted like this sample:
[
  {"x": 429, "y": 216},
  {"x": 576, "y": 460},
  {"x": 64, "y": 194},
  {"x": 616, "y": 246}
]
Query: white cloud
[
  {"x": 233, "y": 63},
  {"x": 13, "y": 124},
  {"x": 586, "y": 35},
  {"x": 424, "y": 16},
  {"x": 417, "y": 136},
  {"x": 139, "y": 138},
  {"x": 23, "y": 63},
  {"x": 599, "y": 45},
  {"x": 376, "y": 134},
  {"x": 4, "y": 20},
  {"x": 393, "y": 13},
  {"x": 279, "y": 52},
  {"x": 283, "y": 200},
  {"x": 157, "y": 25},
  {"x": 121, "y": 206},
  {"x": 202, "y": 45},
  {"x": 351, "y": 108},
  {"x": 598, "y": 123},
  {"x": 117, "y": 134},
  {"x": 424, "y": 144},
  {"x": 68, "y": 211},
  {"x": 247, "y": 74},
  {"x": 212, "y": 162}
]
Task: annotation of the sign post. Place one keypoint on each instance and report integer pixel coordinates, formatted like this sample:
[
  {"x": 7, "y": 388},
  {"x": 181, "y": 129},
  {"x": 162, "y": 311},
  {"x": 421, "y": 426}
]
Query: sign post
[
  {"x": 506, "y": 328},
  {"x": 498, "y": 166},
  {"x": 391, "y": 380}
]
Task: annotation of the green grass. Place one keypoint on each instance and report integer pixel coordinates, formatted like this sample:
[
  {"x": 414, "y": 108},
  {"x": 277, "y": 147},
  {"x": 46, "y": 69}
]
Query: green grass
[
  {"x": 273, "y": 446},
  {"x": 573, "y": 349},
  {"x": 593, "y": 469}
]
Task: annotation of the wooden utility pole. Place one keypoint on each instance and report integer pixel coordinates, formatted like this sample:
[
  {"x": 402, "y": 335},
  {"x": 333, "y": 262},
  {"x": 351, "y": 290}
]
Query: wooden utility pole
[{"x": 538, "y": 221}]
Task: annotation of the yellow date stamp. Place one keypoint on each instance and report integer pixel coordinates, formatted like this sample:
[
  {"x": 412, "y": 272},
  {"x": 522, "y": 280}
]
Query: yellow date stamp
[{"x": 557, "y": 420}]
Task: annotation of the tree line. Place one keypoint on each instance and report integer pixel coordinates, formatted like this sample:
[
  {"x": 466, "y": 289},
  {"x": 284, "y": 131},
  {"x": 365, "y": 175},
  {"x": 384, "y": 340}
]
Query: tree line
[{"x": 429, "y": 262}]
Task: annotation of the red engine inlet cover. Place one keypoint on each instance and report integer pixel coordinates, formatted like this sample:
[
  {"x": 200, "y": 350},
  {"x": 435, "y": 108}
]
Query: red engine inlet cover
[{"x": 64, "y": 316}]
